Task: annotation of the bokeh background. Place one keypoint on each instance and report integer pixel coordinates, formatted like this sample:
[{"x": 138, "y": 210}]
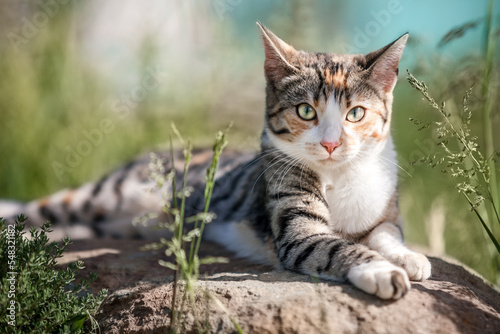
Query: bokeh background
[{"x": 88, "y": 85}]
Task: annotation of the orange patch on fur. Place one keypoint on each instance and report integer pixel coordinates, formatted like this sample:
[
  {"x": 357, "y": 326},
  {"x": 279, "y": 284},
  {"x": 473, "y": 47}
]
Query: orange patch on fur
[
  {"x": 338, "y": 79},
  {"x": 368, "y": 128},
  {"x": 334, "y": 79},
  {"x": 328, "y": 77},
  {"x": 43, "y": 202},
  {"x": 298, "y": 126},
  {"x": 68, "y": 198},
  {"x": 371, "y": 125},
  {"x": 377, "y": 135}
]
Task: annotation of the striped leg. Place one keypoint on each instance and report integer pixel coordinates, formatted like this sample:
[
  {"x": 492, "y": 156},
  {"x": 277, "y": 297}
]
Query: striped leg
[{"x": 328, "y": 256}]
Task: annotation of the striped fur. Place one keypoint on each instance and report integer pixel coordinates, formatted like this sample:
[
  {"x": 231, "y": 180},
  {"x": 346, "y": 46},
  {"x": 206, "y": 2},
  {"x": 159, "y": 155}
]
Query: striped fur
[{"x": 321, "y": 196}]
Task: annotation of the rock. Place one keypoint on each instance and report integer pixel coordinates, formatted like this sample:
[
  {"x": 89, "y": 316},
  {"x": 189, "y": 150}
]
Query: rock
[{"x": 263, "y": 300}]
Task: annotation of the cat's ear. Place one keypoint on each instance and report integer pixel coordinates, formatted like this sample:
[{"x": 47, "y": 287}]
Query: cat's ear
[
  {"x": 383, "y": 64},
  {"x": 279, "y": 55}
]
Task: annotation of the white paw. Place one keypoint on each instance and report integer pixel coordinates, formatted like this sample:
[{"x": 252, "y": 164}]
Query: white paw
[
  {"x": 380, "y": 278},
  {"x": 416, "y": 265}
]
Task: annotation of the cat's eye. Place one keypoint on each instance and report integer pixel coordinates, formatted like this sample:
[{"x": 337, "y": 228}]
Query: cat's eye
[
  {"x": 306, "y": 112},
  {"x": 356, "y": 114}
]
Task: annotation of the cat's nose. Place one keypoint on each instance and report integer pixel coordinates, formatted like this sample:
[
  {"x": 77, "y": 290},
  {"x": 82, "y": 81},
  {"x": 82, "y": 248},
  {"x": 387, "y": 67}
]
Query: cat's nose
[{"x": 330, "y": 146}]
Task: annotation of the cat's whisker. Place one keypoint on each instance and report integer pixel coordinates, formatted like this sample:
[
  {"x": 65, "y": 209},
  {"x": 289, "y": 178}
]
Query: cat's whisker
[
  {"x": 364, "y": 155},
  {"x": 261, "y": 156},
  {"x": 284, "y": 173},
  {"x": 289, "y": 155},
  {"x": 302, "y": 164},
  {"x": 301, "y": 172},
  {"x": 386, "y": 161},
  {"x": 282, "y": 168},
  {"x": 396, "y": 164},
  {"x": 268, "y": 167}
]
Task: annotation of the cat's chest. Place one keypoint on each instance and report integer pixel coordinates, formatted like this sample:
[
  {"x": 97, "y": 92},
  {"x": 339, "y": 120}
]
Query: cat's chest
[{"x": 357, "y": 199}]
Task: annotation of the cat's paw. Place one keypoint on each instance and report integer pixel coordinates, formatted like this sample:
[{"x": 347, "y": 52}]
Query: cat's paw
[
  {"x": 416, "y": 265},
  {"x": 380, "y": 278}
]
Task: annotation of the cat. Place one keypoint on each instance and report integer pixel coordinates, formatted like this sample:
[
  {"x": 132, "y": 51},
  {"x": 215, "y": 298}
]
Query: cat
[{"x": 319, "y": 199}]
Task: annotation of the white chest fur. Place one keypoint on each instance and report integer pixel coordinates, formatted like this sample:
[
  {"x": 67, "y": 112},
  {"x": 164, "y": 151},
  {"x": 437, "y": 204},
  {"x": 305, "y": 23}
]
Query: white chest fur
[{"x": 358, "y": 194}]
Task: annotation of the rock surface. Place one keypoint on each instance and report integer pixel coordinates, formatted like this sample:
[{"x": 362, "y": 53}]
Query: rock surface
[{"x": 263, "y": 300}]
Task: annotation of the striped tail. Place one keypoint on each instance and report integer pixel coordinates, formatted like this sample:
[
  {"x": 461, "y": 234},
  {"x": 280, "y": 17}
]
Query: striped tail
[{"x": 104, "y": 208}]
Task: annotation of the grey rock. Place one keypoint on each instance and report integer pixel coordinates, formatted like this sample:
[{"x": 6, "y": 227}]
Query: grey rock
[{"x": 262, "y": 299}]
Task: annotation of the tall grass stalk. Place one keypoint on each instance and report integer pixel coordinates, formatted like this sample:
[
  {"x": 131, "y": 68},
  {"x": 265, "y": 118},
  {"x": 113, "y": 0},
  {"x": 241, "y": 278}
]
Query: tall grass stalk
[
  {"x": 489, "y": 52},
  {"x": 186, "y": 266},
  {"x": 462, "y": 158},
  {"x": 179, "y": 227},
  {"x": 220, "y": 144}
]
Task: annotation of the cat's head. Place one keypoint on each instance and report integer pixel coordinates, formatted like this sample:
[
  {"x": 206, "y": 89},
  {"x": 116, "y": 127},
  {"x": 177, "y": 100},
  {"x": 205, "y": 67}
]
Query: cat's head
[{"x": 328, "y": 109}]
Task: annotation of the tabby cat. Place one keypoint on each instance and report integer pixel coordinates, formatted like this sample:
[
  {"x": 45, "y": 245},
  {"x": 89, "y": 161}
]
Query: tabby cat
[{"x": 321, "y": 196}]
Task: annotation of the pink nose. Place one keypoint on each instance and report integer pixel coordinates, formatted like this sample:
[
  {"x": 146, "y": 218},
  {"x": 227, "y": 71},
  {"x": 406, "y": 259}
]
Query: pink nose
[{"x": 330, "y": 146}]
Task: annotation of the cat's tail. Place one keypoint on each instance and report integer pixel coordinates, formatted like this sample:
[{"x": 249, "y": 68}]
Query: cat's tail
[
  {"x": 104, "y": 208},
  {"x": 10, "y": 209}
]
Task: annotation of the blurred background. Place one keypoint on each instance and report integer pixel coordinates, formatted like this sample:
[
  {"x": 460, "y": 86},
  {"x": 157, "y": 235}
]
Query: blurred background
[{"x": 88, "y": 85}]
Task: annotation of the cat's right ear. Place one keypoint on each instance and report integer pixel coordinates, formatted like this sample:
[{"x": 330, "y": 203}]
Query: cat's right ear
[
  {"x": 383, "y": 64},
  {"x": 279, "y": 55}
]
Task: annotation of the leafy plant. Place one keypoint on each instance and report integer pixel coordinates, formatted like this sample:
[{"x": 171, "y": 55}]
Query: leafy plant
[
  {"x": 185, "y": 242},
  {"x": 461, "y": 157},
  {"x": 38, "y": 297},
  {"x": 469, "y": 159}
]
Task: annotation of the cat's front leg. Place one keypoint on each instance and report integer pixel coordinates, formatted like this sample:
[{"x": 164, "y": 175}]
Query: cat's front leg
[
  {"x": 387, "y": 239},
  {"x": 328, "y": 256}
]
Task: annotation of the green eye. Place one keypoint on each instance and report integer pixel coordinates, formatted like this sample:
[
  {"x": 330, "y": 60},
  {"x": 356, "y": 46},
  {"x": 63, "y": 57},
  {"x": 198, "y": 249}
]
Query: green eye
[
  {"x": 356, "y": 114},
  {"x": 306, "y": 112}
]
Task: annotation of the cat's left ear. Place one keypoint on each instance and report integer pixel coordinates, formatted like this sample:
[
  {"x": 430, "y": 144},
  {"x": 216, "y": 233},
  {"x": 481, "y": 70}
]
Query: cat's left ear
[
  {"x": 383, "y": 64},
  {"x": 279, "y": 55}
]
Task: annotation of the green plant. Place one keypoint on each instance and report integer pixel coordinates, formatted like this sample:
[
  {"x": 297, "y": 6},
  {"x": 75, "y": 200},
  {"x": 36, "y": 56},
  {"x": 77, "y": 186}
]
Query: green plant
[
  {"x": 469, "y": 159},
  {"x": 39, "y": 297},
  {"x": 489, "y": 52},
  {"x": 462, "y": 158},
  {"x": 187, "y": 231}
]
